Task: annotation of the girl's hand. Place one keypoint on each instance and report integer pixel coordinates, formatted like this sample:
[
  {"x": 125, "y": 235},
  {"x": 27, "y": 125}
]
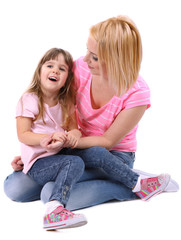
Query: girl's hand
[
  {"x": 54, "y": 146},
  {"x": 59, "y": 136},
  {"x": 54, "y": 142},
  {"x": 17, "y": 164},
  {"x": 73, "y": 137},
  {"x": 45, "y": 141}
]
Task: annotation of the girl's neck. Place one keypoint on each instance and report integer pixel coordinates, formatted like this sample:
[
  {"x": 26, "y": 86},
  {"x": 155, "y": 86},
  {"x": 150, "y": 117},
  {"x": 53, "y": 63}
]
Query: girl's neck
[{"x": 50, "y": 100}]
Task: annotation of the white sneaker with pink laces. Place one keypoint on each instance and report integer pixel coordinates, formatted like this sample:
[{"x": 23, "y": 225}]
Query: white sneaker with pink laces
[{"x": 62, "y": 218}]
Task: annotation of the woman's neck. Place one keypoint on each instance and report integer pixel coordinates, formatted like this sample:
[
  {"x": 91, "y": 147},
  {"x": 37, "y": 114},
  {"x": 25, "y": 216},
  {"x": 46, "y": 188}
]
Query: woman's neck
[{"x": 100, "y": 92}]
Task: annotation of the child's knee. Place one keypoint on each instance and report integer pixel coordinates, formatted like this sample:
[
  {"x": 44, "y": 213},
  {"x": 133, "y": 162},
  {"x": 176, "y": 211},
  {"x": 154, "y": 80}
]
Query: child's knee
[{"x": 78, "y": 164}]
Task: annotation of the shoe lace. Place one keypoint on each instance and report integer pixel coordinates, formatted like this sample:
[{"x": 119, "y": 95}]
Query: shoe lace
[{"x": 62, "y": 210}]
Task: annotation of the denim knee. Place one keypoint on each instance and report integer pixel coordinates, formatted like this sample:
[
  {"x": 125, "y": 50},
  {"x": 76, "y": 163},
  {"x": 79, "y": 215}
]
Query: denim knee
[
  {"x": 97, "y": 149},
  {"x": 78, "y": 165},
  {"x": 20, "y": 187},
  {"x": 94, "y": 156},
  {"x": 98, "y": 155}
]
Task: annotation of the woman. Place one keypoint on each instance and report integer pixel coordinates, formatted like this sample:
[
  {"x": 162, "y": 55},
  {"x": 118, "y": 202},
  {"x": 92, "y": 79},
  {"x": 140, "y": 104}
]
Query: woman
[{"x": 107, "y": 82}]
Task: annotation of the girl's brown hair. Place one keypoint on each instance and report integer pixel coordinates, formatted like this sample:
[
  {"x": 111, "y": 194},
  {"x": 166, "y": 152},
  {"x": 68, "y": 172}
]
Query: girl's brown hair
[
  {"x": 120, "y": 50},
  {"x": 66, "y": 96}
]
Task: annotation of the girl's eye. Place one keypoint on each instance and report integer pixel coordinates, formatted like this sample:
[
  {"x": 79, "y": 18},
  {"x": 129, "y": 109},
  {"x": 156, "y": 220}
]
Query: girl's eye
[
  {"x": 49, "y": 66},
  {"x": 95, "y": 58},
  {"x": 62, "y": 69}
]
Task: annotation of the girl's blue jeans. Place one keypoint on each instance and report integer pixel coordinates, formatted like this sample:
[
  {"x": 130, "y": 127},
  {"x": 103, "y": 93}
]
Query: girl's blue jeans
[
  {"x": 64, "y": 170},
  {"x": 94, "y": 187}
]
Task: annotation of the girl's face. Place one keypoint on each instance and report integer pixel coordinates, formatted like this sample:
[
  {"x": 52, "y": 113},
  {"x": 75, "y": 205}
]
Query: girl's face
[
  {"x": 91, "y": 57},
  {"x": 53, "y": 74}
]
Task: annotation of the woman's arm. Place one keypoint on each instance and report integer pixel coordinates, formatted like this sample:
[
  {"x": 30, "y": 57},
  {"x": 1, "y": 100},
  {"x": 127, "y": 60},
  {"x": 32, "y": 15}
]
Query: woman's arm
[
  {"x": 25, "y": 135},
  {"x": 123, "y": 124},
  {"x": 73, "y": 135}
]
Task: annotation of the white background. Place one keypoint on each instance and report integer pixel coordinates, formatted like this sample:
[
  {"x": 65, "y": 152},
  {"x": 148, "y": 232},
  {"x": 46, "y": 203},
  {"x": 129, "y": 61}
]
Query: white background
[{"x": 27, "y": 30}]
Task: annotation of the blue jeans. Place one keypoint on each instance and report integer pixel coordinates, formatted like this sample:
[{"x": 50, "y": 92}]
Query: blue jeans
[
  {"x": 64, "y": 170},
  {"x": 94, "y": 187},
  {"x": 114, "y": 163}
]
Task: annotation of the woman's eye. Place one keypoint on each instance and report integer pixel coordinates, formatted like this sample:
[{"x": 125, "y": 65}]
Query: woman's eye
[{"x": 95, "y": 58}]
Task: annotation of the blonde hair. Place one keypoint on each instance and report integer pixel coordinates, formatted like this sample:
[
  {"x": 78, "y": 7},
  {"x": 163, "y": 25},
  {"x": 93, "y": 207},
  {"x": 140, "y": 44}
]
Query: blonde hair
[
  {"x": 120, "y": 49},
  {"x": 66, "y": 96}
]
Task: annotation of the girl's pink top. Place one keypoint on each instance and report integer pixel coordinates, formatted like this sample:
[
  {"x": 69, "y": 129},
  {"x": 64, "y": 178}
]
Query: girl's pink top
[
  {"x": 94, "y": 122},
  {"x": 28, "y": 107}
]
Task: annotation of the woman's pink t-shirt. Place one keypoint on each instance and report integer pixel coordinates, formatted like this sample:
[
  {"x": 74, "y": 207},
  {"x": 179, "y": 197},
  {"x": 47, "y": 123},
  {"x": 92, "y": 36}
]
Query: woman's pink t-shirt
[
  {"x": 28, "y": 107},
  {"x": 94, "y": 122}
]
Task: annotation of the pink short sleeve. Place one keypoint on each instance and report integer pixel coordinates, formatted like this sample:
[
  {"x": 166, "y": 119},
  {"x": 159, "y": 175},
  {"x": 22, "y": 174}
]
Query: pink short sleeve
[
  {"x": 27, "y": 106},
  {"x": 138, "y": 95}
]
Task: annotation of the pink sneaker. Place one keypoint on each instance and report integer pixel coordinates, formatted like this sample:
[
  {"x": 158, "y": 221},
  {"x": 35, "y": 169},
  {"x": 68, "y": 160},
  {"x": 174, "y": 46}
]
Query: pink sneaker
[
  {"x": 151, "y": 187},
  {"x": 62, "y": 218}
]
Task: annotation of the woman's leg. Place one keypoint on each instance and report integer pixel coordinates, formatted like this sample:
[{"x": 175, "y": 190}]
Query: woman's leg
[
  {"x": 92, "y": 192},
  {"x": 93, "y": 188},
  {"x": 21, "y": 188}
]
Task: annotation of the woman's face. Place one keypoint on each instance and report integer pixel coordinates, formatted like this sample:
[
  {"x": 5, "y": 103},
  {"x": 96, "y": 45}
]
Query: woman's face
[{"x": 91, "y": 57}]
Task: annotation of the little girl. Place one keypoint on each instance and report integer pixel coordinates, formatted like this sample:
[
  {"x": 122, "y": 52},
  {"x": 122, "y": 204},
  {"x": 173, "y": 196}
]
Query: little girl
[{"x": 47, "y": 109}]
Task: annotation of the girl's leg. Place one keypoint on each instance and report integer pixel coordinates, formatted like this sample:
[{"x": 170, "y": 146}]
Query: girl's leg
[
  {"x": 94, "y": 187},
  {"x": 114, "y": 163},
  {"x": 173, "y": 186},
  {"x": 64, "y": 170},
  {"x": 21, "y": 188}
]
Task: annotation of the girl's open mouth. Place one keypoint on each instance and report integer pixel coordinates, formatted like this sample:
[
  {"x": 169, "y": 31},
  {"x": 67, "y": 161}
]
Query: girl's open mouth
[{"x": 52, "y": 79}]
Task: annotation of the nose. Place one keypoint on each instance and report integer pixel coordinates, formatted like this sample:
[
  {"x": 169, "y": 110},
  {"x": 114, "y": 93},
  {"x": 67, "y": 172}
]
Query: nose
[
  {"x": 56, "y": 70},
  {"x": 87, "y": 57}
]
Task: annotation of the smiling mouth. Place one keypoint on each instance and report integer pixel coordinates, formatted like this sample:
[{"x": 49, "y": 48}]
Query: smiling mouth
[
  {"x": 90, "y": 67},
  {"x": 52, "y": 79}
]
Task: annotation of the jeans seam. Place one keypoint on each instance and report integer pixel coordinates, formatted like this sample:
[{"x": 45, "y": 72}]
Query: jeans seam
[{"x": 61, "y": 196}]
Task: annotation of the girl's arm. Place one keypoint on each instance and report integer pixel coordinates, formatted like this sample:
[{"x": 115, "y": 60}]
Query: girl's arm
[
  {"x": 123, "y": 124},
  {"x": 25, "y": 135},
  {"x": 72, "y": 138},
  {"x": 17, "y": 164}
]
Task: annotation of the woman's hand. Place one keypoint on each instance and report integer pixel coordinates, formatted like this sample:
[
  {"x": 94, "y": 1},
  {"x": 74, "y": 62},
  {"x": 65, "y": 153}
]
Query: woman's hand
[
  {"x": 17, "y": 164},
  {"x": 73, "y": 138}
]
